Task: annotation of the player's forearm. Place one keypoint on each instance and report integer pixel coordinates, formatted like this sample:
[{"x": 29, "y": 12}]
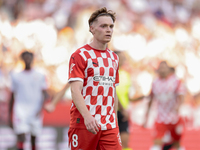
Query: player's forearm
[
  {"x": 11, "y": 103},
  {"x": 136, "y": 99},
  {"x": 79, "y": 103},
  {"x": 180, "y": 100},
  {"x": 60, "y": 94}
]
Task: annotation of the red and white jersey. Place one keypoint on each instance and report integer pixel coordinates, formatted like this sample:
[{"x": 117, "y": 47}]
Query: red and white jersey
[
  {"x": 165, "y": 92},
  {"x": 98, "y": 70}
]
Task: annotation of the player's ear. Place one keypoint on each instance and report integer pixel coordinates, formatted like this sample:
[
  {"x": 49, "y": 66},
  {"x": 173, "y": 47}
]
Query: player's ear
[{"x": 91, "y": 29}]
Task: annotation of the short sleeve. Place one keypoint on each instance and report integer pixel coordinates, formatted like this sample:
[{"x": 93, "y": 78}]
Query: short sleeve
[{"x": 77, "y": 67}]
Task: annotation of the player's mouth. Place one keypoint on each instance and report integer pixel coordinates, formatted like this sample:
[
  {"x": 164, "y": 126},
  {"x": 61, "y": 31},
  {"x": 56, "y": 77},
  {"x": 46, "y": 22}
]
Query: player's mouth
[{"x": 108, "y": 36}]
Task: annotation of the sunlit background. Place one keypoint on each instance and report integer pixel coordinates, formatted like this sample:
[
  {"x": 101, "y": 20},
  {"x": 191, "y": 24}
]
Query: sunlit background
[{"x": 148, "y": 31}]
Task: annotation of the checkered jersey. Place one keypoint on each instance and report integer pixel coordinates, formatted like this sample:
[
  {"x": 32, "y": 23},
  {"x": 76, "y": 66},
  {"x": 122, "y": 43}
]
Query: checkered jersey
[
  {"x": 98, "y": 70},
  {"x": 165, "y": 92}
]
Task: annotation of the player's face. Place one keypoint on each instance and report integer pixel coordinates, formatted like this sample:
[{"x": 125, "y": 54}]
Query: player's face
[
  {"x": 163, "y": 70},
  {"x": 28, "y": 60},
  {"x": 102, "y": 29}
]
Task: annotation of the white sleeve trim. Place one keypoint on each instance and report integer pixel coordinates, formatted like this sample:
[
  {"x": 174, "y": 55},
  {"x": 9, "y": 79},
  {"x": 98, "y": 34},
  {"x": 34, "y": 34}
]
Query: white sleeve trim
[
  {"x": 75, "y": 79},
  {"x": 116, "y": 84}
]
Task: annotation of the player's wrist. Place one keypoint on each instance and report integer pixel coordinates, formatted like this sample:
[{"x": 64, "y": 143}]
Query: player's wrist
[{"x": 86, "y": 115}]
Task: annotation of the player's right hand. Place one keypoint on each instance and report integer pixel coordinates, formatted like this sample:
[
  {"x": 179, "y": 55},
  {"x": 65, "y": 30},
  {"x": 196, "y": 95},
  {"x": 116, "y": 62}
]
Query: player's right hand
[
  {"x": 49, "y": 107},
  {"x": 91, "y": 124}
]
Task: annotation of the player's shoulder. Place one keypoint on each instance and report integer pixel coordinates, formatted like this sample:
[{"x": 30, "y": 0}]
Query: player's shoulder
[
  {"x": 113, "y": 54},
  {"x": 81, "y": 52},
  {"x": 38, "y": 73},
  {"x": 82, "y": 49}
]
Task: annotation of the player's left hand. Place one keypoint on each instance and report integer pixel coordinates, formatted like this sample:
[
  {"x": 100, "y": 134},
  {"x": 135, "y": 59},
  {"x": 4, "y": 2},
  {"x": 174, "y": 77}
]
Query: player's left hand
[{"x": 49, "y": 107}]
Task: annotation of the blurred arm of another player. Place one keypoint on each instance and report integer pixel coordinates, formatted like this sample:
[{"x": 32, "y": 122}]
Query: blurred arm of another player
[
  {"x": 123, "y": 111},
  {"x": 10, "y": 110},
  {"x": 137, "y": 99},
  {"x": 148, "y": 109},
  {"x": 180, "y": 99},
  {"x": 50, "y": 107},
  {"x": 89, "y": 121}
]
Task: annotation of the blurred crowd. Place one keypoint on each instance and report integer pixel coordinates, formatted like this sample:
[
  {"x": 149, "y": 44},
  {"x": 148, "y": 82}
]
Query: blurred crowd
[{"x": 148, "y": 31}]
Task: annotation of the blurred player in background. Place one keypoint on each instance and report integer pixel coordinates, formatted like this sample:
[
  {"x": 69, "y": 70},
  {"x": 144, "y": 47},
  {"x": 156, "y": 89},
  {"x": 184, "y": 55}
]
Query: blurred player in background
[
  {"x": 28, "y": 95},
  {"x": 93, "y": 76},
  {"x": 168, "y": 91},
  {"x": 123, "y": 96}
]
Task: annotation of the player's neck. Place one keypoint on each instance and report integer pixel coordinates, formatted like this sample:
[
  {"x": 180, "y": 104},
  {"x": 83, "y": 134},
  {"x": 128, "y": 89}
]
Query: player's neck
[
  {"x": 27, "y": 68},
  {"x": 97, "y": 45}
]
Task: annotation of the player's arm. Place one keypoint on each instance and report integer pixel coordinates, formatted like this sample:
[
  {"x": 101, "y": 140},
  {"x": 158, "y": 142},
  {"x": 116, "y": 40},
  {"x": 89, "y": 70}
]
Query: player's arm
[
  {"x": 136, "y": 99},
  {"x": 90, "y": 122},
  {"x": 180, "y": 91},
  {"x": 180, "y": 99},
  {"x": 10, "y": 109},
  {"x": 50, "y": 107},
  {"x": 148, "y": 109}
]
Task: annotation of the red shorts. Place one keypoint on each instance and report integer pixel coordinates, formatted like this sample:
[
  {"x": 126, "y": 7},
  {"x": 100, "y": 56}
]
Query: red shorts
[
  {"x": 161, "y": 130},
  {"x": 82, "y": 139}
]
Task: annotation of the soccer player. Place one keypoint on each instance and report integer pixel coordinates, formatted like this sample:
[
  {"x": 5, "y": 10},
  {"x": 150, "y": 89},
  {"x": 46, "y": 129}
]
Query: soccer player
[
  {"x": 93, "y": 76},
  {"x": 168, "y": 92},
  {"x": 50, "y": 107},
  {"x": 28, "y": 95}
]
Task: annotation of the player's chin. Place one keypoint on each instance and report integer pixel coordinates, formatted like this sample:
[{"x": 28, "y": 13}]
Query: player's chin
[{"x": 107, "y": 40}]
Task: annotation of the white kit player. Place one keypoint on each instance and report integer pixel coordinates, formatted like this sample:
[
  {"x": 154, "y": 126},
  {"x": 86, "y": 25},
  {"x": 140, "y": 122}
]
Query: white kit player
[{"x": 28, "y": 94}]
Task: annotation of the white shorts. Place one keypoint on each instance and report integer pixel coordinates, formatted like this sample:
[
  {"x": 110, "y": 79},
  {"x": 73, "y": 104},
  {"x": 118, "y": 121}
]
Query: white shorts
[{"x": 23, "y": 125}]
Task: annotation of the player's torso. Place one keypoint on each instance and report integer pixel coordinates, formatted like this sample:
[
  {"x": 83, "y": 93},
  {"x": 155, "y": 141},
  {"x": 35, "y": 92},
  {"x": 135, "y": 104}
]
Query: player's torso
[
  {"x": 28, "y": 86},
  {"x": 99, "y": 85},
  {"x": 164, "y": 90},
  {"x": 165, "y": 94}
]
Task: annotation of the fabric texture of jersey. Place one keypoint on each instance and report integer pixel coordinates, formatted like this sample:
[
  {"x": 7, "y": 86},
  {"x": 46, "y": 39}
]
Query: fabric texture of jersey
[
  {"x": 165, "y": 92},
  {"x": 98, "y": 70},
  {"x": 27, "y": 87}
]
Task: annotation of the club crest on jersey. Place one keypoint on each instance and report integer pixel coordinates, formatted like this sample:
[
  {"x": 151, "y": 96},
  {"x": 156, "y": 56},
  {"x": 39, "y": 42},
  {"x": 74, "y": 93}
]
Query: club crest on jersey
[
  {"x": 71, "y": 67},
  {"x": 114, "y": 65}
]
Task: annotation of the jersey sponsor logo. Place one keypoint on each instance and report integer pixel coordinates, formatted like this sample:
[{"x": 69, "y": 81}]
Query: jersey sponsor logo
[
  {"x": 71, "y": 67},
  {"x": 104, "y": 80}
]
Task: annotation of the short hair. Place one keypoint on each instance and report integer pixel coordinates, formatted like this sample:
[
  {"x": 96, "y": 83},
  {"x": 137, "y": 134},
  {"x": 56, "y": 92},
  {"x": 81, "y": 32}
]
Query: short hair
[
  {"x": 101, "y": 12},
  {"x": 26, "y": 53}
]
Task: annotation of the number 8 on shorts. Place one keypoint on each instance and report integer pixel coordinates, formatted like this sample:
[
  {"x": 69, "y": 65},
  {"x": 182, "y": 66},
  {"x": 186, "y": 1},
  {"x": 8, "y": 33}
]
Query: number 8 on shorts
[{"x": 74, "y": 140}]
